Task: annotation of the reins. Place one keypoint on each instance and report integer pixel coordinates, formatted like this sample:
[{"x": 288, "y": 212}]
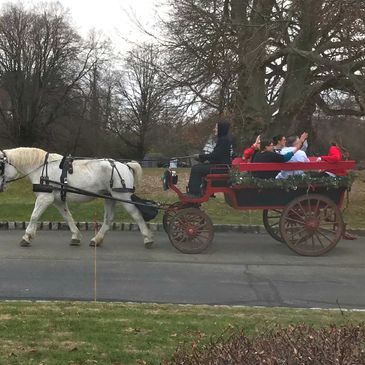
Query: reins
[
  {"x": 29, "y": 173},
  {"x": 56, "y": 185},
  {"x": 123, "y": 160}
]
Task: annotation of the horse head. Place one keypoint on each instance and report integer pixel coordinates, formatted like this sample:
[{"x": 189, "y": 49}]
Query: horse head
[{"x": 7, "y": 171}]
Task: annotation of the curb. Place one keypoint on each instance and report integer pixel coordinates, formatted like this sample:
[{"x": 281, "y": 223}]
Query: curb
[{"x": 120, "y": 226}]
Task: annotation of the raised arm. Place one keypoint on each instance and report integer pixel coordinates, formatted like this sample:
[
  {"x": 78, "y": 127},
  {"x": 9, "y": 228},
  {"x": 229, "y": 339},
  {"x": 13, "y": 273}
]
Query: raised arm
[
  {"x": 302, "y": 138},
  {"x": 249, "y": 152}
]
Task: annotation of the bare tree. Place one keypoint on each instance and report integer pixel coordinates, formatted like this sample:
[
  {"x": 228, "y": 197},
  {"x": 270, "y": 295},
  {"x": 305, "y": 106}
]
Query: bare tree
[
  {"x": 201, "y": 56},
  {"x": 94, "y": 95},
  {"x": 322, "y": 53},
  {"x": 42, "y": 60},
  {"x": 142, "y": 99},
  {"x": 276, "y": 60}
]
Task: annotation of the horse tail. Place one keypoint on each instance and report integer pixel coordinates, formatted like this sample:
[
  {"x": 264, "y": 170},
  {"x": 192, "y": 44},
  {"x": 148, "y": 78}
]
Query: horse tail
[{"x": 137, "y": 172}]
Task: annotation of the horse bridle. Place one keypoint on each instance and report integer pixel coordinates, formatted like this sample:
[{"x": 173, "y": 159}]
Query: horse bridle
[{"x": 3, "y": 161}]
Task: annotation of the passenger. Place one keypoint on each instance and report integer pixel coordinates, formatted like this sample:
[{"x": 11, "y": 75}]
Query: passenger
[
  {"x": 335, "y": 154},
  {"x": 248, "y": 153},
  {"x": 279, "y": 143},
  {"x": 300, "y": 156},
  {"x": 221, "y": 154},
  {"x": 267, "y": 154}
]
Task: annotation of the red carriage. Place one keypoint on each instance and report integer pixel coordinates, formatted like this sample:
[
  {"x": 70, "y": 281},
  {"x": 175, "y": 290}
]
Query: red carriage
[{"x": 307, "y": 218}]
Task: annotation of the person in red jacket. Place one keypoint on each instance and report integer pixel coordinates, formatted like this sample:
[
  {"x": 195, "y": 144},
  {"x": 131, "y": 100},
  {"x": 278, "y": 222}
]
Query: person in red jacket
[
  {"x": 335, "y": 154},
  {"x": 248, "y": 153}
]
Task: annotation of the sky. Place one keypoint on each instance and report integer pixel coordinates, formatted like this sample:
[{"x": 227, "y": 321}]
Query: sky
[{"x": 112, "y": 17}]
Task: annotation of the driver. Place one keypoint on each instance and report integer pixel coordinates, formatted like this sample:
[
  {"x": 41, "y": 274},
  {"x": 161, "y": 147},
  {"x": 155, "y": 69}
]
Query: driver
[{"x": 221, "y": 154}]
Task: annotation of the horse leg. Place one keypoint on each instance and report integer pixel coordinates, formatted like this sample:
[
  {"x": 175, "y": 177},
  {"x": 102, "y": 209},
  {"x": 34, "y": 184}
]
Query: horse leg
[
  {"x": 137, "y": 217},
  {"x": 67, "y": 216},
  {"x": 41, "y": 204},
  {"x": 109, "y": 206}
]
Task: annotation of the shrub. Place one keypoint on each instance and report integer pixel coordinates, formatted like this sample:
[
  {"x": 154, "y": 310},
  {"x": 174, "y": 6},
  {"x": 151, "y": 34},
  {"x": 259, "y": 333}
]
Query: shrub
[{"x": 291, "y": 346}]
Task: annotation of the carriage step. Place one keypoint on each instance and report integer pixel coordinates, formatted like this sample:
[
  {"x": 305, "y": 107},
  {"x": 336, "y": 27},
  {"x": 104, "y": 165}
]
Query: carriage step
[{"x": 42, "y": 188}]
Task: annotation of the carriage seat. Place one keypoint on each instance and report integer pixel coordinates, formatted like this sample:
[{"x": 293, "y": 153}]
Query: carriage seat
[{"x": 219, "y": 176}]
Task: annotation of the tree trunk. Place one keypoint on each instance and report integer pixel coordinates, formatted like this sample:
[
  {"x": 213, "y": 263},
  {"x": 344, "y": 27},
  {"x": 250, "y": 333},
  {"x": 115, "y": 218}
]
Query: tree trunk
[
  {"x": 27, "y": 136},
  {"x": 296, "y": 89},
  {"x": 251, "y": 108}
]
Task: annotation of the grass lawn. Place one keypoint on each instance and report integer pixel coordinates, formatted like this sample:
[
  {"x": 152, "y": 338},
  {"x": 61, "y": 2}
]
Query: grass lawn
[
  {"x": 17, "y": 202},
  {"x": 65, "y": 333}
]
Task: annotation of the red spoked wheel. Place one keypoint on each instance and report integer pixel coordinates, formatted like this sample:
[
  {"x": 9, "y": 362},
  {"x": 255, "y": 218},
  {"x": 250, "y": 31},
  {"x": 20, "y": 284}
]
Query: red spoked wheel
[
  {"x": 170, "y": 212},
  {"x": 271, "y": 219},
  {"x": 191, "y": 230},
  {"x": 311, "y": 225}
]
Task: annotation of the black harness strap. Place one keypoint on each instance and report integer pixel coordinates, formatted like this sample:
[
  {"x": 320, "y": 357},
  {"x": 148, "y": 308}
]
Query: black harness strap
[
  {"x": 124, "y": 188},
  {"x": 44, "y": 175},
  {"x": 66, "y": 168},
  {"x": 2, "y": 165},
  {"x": 2, "y": 171}
]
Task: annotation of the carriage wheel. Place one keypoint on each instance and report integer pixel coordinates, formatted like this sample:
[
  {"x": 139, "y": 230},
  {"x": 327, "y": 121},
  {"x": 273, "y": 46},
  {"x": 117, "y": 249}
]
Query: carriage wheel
[
  {"x": 271, "y": 219},
  {"x": 168, "y": 215},
  {"x": 170, "y": 212},
  {"x": 311, "y": 225},
  {"x": 191, "y": 230}
]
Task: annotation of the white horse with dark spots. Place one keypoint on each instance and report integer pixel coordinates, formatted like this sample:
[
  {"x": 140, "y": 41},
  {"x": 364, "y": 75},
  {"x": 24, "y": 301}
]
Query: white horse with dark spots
[{"x": 93, "y": 175}]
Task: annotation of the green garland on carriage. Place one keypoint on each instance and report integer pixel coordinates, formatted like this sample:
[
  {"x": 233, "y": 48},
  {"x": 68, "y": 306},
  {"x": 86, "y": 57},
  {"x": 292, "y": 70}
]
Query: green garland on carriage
[{"x": 292, "y": 182}]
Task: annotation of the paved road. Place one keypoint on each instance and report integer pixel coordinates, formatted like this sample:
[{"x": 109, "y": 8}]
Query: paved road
[{"x": 239, "y": 269}]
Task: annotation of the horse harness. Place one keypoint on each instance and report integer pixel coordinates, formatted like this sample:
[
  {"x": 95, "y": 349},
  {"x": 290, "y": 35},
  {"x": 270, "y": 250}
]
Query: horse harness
[
  {"x": 3, "y": 161},
  {"x": 124, "y": 188},
  {"x": 148, "y": 208},
  {"x": 66, "y": 166}
]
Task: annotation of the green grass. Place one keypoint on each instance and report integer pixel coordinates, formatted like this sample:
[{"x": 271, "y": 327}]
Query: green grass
[
  {"x": 115, "y": 334},
  {"x": 16, "y": 204}
]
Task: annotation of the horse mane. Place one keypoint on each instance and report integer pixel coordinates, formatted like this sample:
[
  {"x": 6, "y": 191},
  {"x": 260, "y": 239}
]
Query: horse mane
[{"x": 24, "y": 158}]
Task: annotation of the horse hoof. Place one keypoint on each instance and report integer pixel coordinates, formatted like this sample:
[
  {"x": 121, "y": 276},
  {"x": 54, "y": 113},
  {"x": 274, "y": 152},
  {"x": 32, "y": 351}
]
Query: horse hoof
[
  {"x": 94, "y": 244},
  {"x": 24, "y": 243},
  {"x": 148, "y": 244},
  {"x": 75, "y": 242}
]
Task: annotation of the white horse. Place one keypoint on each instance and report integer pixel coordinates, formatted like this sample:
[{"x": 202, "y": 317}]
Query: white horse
[{"x": 92, "y": 175}]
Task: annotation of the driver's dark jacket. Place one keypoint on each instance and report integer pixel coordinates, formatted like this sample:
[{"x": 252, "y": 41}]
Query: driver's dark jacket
[{"x": 221, "y": 153}]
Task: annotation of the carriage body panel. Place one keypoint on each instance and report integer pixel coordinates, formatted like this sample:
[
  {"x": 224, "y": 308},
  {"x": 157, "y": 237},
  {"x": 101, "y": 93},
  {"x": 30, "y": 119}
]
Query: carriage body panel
[{"x": 253, "y": 198}]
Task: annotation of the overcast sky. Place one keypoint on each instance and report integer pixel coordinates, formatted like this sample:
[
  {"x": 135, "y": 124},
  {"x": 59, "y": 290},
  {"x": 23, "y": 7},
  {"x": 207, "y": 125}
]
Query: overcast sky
[{"x": 110, "y": 16}]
